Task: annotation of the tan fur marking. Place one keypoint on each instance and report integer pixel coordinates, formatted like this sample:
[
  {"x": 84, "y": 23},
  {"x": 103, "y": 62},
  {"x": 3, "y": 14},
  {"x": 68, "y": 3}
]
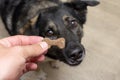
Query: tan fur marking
[{"x": 30, "y": 23}]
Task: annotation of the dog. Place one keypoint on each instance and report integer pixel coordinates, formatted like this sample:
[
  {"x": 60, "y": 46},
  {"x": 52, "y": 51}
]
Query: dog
[{"x": 52, "y": 19}]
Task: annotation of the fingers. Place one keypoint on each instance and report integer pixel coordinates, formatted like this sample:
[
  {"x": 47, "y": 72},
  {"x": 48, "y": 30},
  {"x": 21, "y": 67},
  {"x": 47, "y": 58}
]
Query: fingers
[
  {"x": 33, "y": 50},
  {"x": 31, "y": 66},
  {"x": 41, "y": 58},
  {"x": 20, "y": 40},
  {"x": 37, "y": 59}
]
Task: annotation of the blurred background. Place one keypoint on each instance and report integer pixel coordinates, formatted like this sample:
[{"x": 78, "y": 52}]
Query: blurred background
[{"x": 102, "y": 43}]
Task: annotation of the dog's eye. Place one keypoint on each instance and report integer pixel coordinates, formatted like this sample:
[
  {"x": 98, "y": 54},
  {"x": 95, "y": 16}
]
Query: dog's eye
[
  {"x": 73, "y": 23},
  {"x": 49, "y": 33}
]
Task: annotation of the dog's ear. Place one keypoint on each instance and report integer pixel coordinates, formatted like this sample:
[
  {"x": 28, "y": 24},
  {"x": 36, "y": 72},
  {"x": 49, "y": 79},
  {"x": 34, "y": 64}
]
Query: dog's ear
[
  {"x": 91, "y": 2},
  {"x": 87, "y": 2},
  {"x": 78, "y": 4},
  {"x": 80, "y": 7}
]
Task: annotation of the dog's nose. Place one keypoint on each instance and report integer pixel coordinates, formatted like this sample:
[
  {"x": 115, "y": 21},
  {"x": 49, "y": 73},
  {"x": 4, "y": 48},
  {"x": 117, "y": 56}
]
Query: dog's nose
[{"x": 76, "y": 54}]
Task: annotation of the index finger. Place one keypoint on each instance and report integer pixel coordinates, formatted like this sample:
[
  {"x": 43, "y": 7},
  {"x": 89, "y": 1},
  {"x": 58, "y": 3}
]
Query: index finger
[{"x": 20, "y": 40}]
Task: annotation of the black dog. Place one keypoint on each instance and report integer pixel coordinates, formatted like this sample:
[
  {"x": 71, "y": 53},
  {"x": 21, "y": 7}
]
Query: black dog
[{"x": 57, "y": 19}]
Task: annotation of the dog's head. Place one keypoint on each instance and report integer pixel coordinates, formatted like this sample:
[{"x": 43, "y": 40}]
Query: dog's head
[{"x": 64, "y": 21}]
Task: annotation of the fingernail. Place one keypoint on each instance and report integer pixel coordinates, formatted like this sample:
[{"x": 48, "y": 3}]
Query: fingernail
[{"x": 44, "y": 45}]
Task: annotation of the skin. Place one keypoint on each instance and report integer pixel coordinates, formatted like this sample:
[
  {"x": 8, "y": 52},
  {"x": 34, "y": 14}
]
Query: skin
[{"x": 19, "y": 54}]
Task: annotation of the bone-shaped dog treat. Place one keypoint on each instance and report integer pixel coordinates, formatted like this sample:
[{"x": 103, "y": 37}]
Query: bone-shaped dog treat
[{"x": 60, "y": 42}]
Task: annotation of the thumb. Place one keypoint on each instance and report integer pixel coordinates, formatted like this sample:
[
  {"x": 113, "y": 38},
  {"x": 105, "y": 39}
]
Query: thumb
[{"x": 33, "y": 50}]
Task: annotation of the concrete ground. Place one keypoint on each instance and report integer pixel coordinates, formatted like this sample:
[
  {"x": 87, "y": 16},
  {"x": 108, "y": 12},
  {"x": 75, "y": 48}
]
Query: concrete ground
[{"x": 102, "y": 43}]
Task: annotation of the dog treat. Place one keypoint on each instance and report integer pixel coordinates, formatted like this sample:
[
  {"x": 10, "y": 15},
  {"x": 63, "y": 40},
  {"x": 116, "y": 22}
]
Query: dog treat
[{"x": 60, "y": 42}]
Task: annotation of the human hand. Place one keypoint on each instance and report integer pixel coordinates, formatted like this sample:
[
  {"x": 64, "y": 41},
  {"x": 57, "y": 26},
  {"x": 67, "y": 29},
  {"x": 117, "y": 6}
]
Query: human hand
[{"x": 19, "y": 54}]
